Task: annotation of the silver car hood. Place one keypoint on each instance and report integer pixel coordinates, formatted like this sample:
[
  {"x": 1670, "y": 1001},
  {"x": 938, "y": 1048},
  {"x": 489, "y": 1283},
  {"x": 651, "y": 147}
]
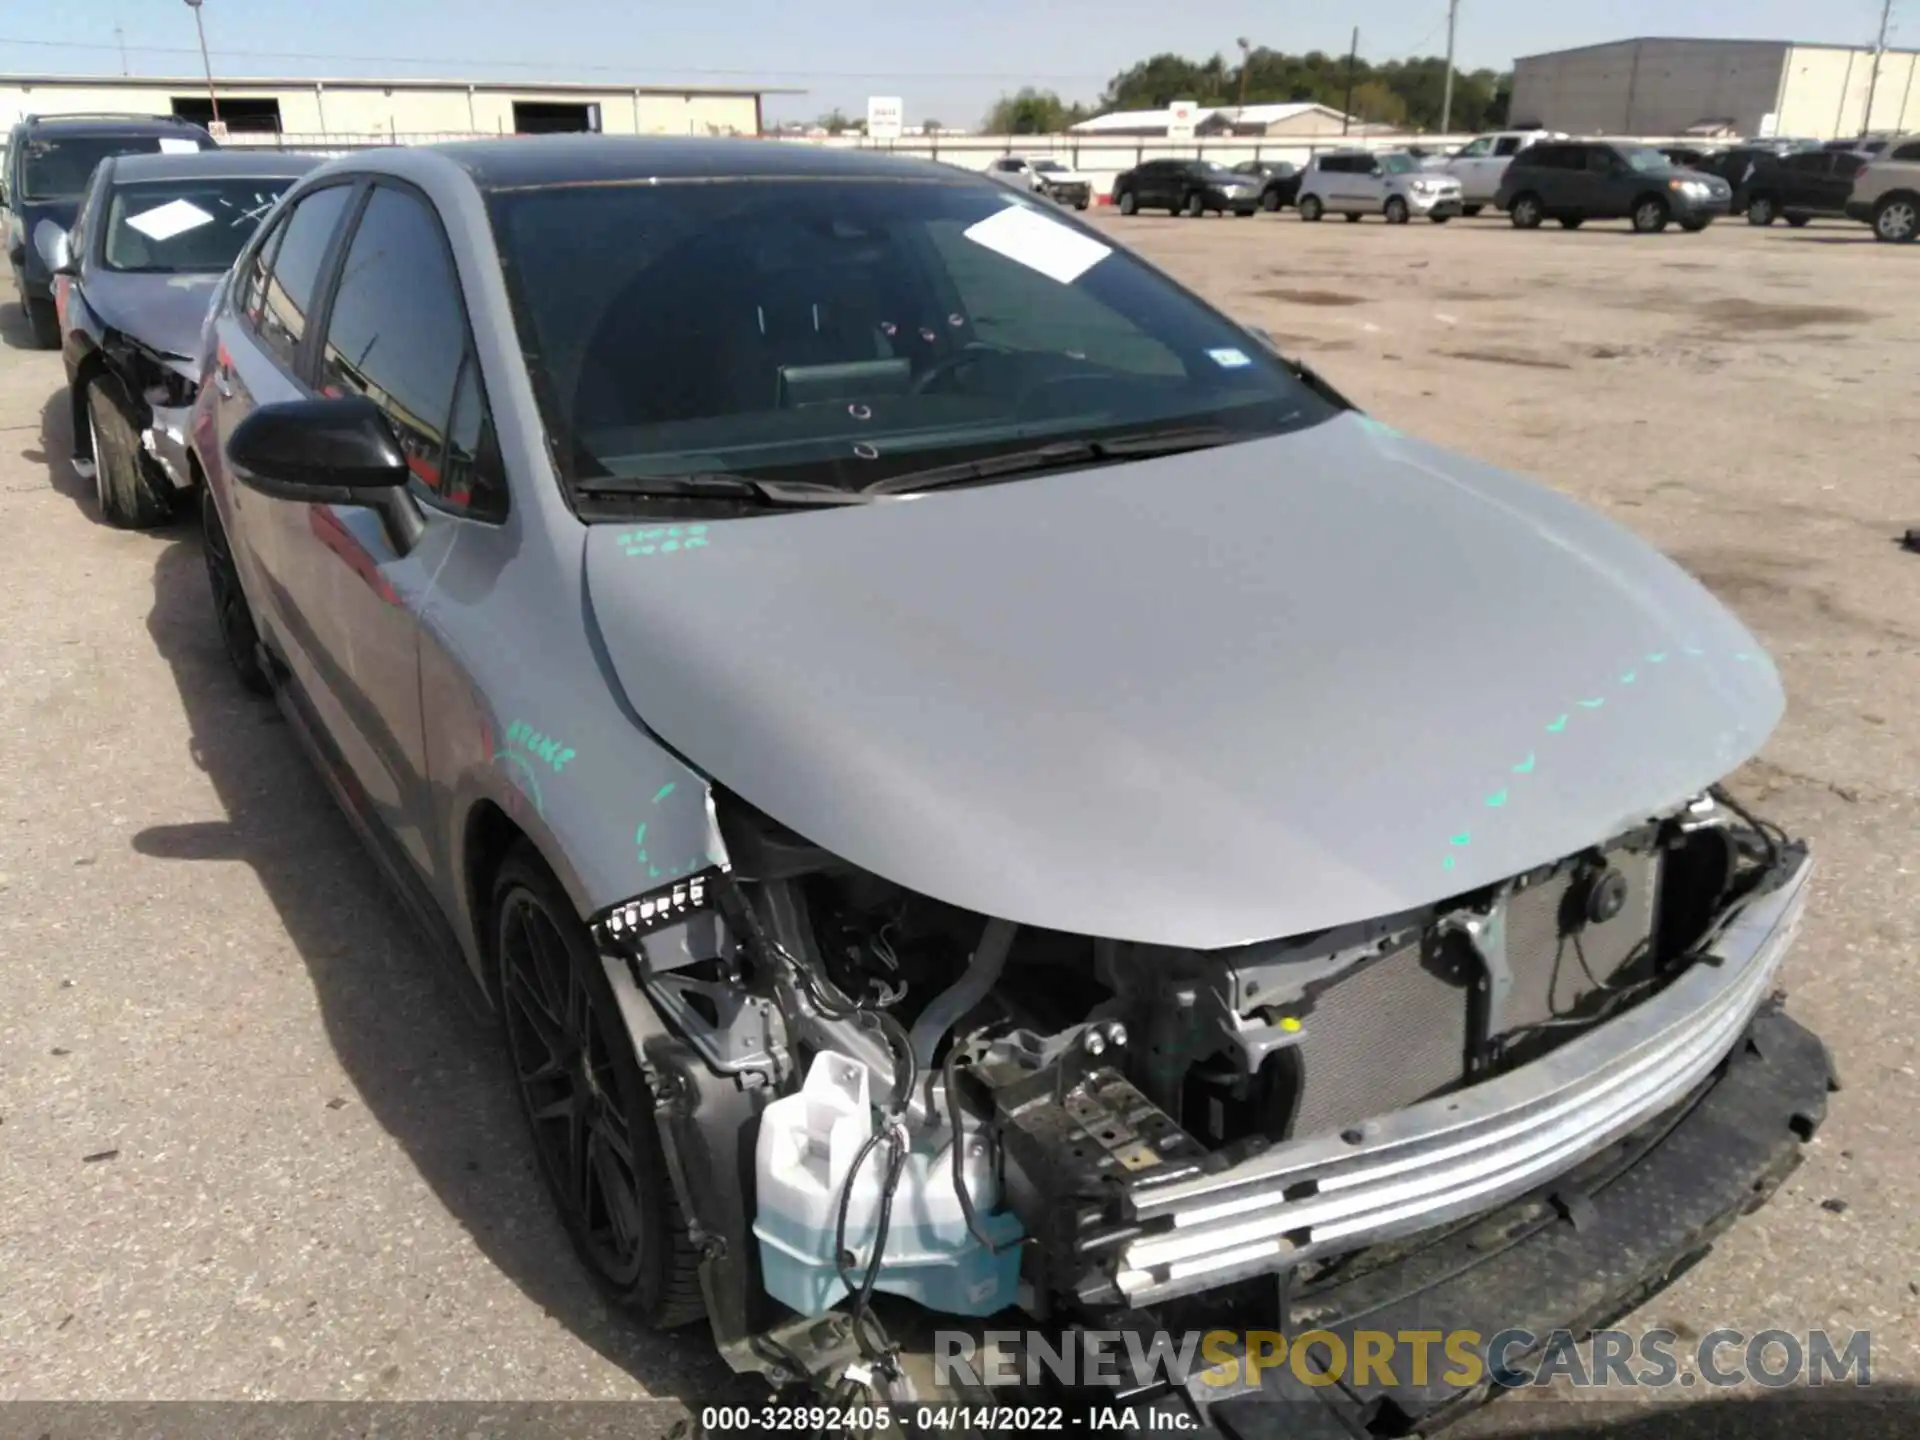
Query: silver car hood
[
  {"x": 1201, "y": 700},
  {"x": 163, "y": 312}
]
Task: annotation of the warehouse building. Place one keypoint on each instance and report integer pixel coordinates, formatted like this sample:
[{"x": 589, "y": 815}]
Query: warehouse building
[
  {"x": 364, "y": 111},
  {"x": 1743, "y": 87}
]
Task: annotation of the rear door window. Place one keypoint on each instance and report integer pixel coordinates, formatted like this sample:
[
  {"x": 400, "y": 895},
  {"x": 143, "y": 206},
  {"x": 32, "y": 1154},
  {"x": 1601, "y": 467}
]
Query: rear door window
[
  {"x": 1907, "y": 152},
  {"x": 289, "y": 291},
  {"x": 1507, "y": 145}
]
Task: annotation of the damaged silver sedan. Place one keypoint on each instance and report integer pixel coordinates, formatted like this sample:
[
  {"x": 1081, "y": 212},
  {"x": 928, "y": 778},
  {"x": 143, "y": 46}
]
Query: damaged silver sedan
[{"x": 984, "y": 796}]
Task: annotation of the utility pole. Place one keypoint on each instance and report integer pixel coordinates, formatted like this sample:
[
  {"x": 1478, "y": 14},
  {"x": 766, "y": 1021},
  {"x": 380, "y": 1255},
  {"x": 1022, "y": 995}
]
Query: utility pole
[
  {"x": 1246, "y": 54},
  {"x": 1353, "y": 59},
  {"x": 120, "y": 38},
  {"x": 1446, "y": 93},
  {"x": 205, "y": 63},
  {"x": 1879, "y": 52}
]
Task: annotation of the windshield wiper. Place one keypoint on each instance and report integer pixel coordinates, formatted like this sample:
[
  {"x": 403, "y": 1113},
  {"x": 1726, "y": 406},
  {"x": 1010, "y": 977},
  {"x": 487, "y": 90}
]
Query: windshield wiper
[
  {"x": 1059, "y": 453},
  {"x": 720, "y": 485}
]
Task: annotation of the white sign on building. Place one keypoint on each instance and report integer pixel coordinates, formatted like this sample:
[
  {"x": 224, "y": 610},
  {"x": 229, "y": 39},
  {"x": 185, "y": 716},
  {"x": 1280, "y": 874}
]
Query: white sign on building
[
  {"x": 883, "y": 117},
  {"x": 1182, "y": 116}
]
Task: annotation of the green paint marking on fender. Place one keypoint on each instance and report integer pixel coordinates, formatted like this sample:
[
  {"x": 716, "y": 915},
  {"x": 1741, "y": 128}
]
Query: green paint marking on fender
[
  {"x": 1591, "y": 704},
  {"x": 1525, "y": 767},
  {"x": 1629, "y": 676},
  {"x": 1496, "y": 800},
  {"x": 1463, "y": 838},
  {"x": 1658, "y": 657},
  {"x": 1694, "y": 650},
  {"x": 1556, "y": 726},
  {"x": 544, "y": 748},
  {"x": 1742, "y": 656},
  {"x": 1446, "y": 862},
  {"x": 662, "y": 793}
]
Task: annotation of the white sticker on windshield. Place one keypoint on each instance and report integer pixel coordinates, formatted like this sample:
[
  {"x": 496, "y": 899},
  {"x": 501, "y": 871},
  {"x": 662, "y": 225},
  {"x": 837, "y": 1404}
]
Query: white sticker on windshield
[
  {"x": 173, "y": 146},
  {"x": 163, "y": 222},
  {"x": 1229, "y": 359},
  {"x": 1031, "y": 239}
]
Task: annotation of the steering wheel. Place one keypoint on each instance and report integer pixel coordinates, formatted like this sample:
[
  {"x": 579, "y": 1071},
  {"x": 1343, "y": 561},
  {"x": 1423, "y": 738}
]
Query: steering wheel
[{"x": 946, "y": 365}]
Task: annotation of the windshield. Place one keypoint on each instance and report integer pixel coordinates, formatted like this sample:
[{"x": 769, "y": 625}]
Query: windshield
[
  {"x": 1398, "y": 162},
  {"x": 1049, "y": 167},
  {"x": 168, "y": 225},
  {"x": 842, "y": 333},
  {"x": 1643, "y": 159},
  {"x": 58, "y": 169}
]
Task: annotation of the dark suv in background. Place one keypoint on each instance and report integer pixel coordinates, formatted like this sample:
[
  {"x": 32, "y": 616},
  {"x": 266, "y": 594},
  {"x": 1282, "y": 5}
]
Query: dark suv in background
[
  {"x": 50, "y": 158},
  {"x": 1574, "y": 181},
  {"x": 1186, "y": 187},
  {"x": 1796, "y": 188}
]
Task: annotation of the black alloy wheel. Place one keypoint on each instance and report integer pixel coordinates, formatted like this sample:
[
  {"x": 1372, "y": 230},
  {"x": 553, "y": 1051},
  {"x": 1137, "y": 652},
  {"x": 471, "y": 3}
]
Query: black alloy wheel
[
  {"x": 587, "y": 1104},
  {"x": 230, "y": 609}
]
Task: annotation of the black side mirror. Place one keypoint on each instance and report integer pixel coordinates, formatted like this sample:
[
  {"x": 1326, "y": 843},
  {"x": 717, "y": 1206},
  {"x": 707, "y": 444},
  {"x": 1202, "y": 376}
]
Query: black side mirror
[{"x": 326, "y": 452}]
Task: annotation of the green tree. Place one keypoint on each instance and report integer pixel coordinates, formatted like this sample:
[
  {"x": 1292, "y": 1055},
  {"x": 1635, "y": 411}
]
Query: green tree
[
  {"x": 835, "y": 122},
  {"x": 1031, "y": 112},
  {"x": 1398, "y": 92}
]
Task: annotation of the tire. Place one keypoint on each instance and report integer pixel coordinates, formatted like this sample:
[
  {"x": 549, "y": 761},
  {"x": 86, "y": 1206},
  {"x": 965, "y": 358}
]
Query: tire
[
  {"x": 1270, "y": 201},
  {"x": 1194, "y": 207},
  {"x": 1352, "y": 217},
  {"x": 1397, "y": 211},
  {"x": 587, "y": 1104},
  {"x": 1762, "y": 211},
  {"x": 1572, "y": 222},
  {"x": 1126, "y": 202},
  {"x": 1471, "y": 210},
  {"x": 1439, "y": 219},
  {"x": 1081, "y": 204},
  {"x": 1799, "y": 222},
  {"x": 130, "y": 495},
  {"x": 44, "y": 320},
  {"x": 1694, "y": 227},
  {"x": 1896, "y": 219},
  {"x": 1650, "y": 216},
  {"x": 230, "y": 609},
  {"x": 1526, "y": 212},
  {"x": 1310, "y": 208}
]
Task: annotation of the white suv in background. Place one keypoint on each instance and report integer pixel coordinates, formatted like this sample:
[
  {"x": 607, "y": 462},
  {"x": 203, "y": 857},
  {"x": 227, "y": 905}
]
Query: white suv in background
[
  {"x": 1390, "y": 183},
  {"x": 1479, "y": 164}
]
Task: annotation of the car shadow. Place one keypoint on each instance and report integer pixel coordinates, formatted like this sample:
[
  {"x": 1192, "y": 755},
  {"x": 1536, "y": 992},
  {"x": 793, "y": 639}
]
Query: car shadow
[
  {"x": 1865, "y": 237},
  {"x": 406, "y": 1031},
  {"x": 56, "y": 453},
  {"x": 15, "y": 331}
]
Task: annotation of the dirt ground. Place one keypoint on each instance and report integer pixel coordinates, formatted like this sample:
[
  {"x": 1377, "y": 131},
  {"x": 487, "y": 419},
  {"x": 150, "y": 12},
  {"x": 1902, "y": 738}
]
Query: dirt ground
[{"x": 252, "y": 1146}]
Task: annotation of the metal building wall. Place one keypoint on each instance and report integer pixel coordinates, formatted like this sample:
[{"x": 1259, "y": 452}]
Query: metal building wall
[{"x": 1650, "y": 87}]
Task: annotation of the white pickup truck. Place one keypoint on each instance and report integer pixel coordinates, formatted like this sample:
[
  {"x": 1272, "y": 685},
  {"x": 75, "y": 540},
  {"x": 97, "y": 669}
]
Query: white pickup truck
[{"x": 1479, "y": 164}]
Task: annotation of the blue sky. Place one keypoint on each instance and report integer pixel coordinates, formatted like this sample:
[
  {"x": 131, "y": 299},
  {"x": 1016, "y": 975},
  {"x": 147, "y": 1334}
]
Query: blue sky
[{"x": 947, "y": 61}]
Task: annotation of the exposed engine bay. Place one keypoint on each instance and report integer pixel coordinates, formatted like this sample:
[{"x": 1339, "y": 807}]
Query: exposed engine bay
[{"x": 865, "y": 1090}]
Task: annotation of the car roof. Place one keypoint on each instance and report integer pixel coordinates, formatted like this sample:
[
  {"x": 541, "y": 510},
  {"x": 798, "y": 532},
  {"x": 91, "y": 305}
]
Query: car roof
[
  {"x": 207, "y": 164},
  {"x": 112, "y": 124},
  {"x": 529, "y": 162}
]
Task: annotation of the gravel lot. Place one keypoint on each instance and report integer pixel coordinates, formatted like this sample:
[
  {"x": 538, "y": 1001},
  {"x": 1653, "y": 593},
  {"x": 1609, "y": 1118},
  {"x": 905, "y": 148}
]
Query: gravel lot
[{"x": 254, "y": 1146}]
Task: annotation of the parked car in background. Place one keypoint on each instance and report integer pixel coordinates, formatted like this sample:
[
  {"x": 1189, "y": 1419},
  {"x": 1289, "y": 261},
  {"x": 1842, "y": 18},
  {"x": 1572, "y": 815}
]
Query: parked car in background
[
  {"x": 734, "y": 648},
  {"x": 1479, "y": 164},
  {"x": 1802, "y": 186},
  {"x": 1872, "y": 143},
  {"x": 1574, "y": 181},
  {"x": 1738, "y": 166},
  {"x": 1043, "y": 175},
  {"x": 50, "y": 158},
  {"x": 1186, "y": 187},
  {"x": 1389, "y": 183},
  {"x": 1689, "y": 157},
  {"x": 1279, "y": 181},
  {"x": 132, "y": 280},
  {"x": 1886, "y": 192}
]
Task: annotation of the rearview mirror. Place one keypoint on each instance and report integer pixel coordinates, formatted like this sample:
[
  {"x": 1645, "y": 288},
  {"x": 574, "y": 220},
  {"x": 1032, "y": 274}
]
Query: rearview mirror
[
  {"x": 51, "y": 241},
  {"x": 326, "y": 452}
]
